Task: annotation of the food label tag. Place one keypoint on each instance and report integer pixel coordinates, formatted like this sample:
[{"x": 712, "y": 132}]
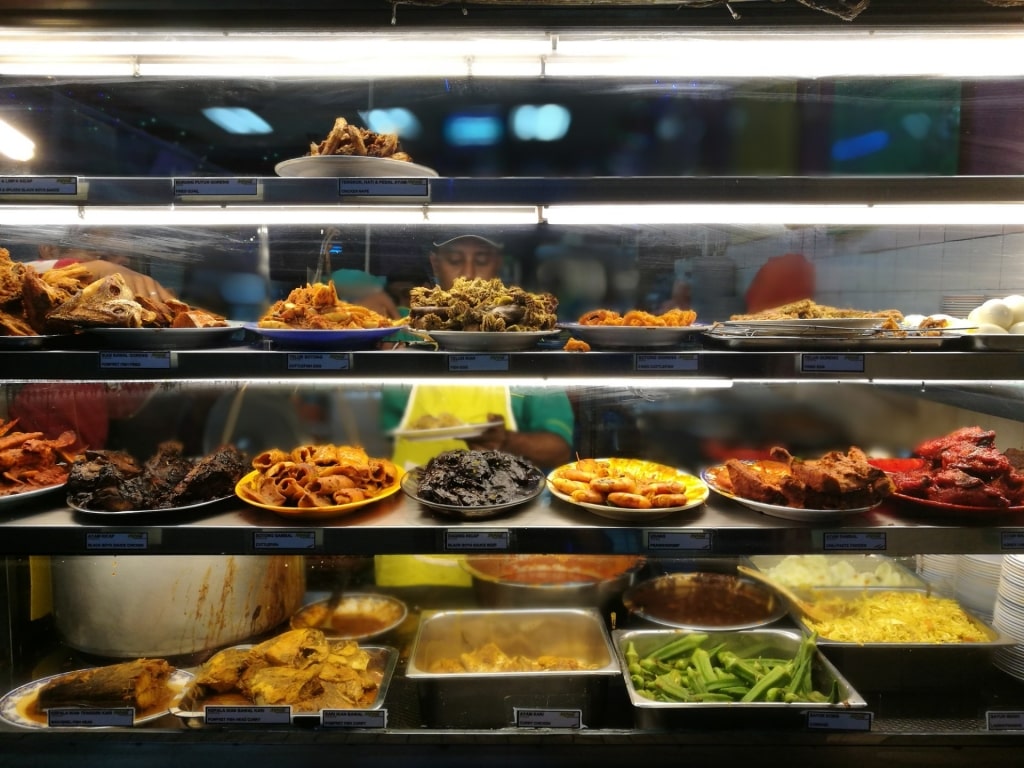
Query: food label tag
[
  {"x": 1004, "y": 721},
  {"x": 73, "y": 717},
  {"x": 217, "y": 715},
  {"x": 159, "y": 360},
  {"x": 107, "y": 542},
  {"x": 218, "y": 188},
  {"x": 1011, "y": 540},
  {"x": 850, "y": 542},
  {"x": 822, "y": 720},
  {"x": 402, "y": 187},
  {"x": 39, "y": 186},
  {"x": 263, "y": 541},
  {"x": 548, "y": 718},
  {"x": 832, "y": 363},
  {"x": 658, "y": 541},
  {"x": 354, "y": 718},
  {"x": 478, "y": 363},
  {"x": 666, "y": 362},
  {"x": 462, "y": 541},
  {"x": 319, "y": 361}
]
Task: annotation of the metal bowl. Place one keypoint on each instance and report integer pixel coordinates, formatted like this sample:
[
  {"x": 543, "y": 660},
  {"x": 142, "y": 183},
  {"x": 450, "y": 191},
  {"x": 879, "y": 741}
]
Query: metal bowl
[
  {"x": 357, "y": 616},
  {"x": 537, "y": 581},
  {"x": 705, "y": 601}
]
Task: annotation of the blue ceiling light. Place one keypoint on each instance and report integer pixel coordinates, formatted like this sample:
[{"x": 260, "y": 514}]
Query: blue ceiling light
[
  {"x": 394, "y": 120},
  {"x": 547, "y": 122},
  {"x": 237, "y": 120},
  {"x": 473, "y": 130},
  {"x": 860, "y": 146}
]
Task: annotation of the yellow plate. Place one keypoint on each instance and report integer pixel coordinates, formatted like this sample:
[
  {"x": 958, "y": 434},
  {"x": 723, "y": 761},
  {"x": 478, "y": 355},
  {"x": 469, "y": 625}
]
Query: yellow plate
[
  {"x": 696, "y": 489},
  {"x": 244, "y": 492}
]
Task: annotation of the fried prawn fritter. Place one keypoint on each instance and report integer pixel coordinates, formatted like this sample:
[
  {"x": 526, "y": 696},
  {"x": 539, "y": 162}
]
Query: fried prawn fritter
[{"x": 676, "y": 318}]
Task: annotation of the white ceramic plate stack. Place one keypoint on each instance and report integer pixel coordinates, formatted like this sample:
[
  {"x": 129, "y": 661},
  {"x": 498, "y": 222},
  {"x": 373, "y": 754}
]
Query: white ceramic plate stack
[
  {"x": 939, "y": 571},
  {"x": 977, "y": 581},
  {"x": 1009, "y": 616}
]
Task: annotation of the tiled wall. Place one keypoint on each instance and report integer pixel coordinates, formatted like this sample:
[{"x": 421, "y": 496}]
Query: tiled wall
[{"x": 914, "y": 269}]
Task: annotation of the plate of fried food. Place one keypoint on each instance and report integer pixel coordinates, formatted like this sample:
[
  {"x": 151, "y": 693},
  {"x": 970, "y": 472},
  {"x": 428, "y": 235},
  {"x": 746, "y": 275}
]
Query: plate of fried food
[
  {"x": 150, "y": 686},
  {"x": 442, "y": 426},
  {"x": 314, "y": 316},
  {"x": 809, "y": 490},
  {"x": 318, "y": 481},
  {"x": 351, "y": 151},
  {"x": 626, "y": 489},
  {"x": 30, "y": 464}
]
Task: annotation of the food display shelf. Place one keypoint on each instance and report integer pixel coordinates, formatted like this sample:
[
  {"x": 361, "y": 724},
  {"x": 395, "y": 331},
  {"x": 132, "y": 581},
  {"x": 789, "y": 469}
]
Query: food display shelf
[
  {"x": 249, "y": 363},
  {"x": 401, "y": 526}
]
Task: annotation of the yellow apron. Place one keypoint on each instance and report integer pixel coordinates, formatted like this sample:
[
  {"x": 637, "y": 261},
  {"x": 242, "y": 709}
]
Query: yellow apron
[
  {"x": 471, "y": 405},
  {"x": 468, "y": 404}
]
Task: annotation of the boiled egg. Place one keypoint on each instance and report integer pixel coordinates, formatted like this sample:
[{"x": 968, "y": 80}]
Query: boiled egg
[
  {"x": 1017, "y": 328},
  {"x": 989, "y": 328},
  {"x": 1016, "y": 303},
  {"x": 992, "y": 312}
]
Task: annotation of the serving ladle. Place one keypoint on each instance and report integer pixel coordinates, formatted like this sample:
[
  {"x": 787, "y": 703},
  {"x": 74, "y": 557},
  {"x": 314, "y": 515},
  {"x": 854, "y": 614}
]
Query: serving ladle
[{"x": 811, "y": 611}]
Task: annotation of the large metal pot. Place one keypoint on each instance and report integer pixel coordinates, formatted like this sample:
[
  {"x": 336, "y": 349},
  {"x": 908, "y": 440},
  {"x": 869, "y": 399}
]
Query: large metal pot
[
  {"x": 142, "y": 605},
  {"x": 532, "y": 581}
]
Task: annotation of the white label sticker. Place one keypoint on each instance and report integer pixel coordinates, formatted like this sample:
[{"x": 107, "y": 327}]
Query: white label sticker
[
  {"x": 832, "y": 363},
  {"x": 1004, "y": 721},
  {"x": 319, "y": 361},
  {"x": 113, "y": 541},
  {"x": 39, "y": 185},
  {"x": 678, "y": 540},
  {"x": 354, "y": 718},
  {"x": 477, "y": 363},
  {"x": 218, "y": 187},
  {"x": 459, "y": 541},
  {"x": 157, "y": 360},
  {"x": 402, "y": 187},
  {"x": 72, "y": 717},
  {"x": 548, "y": 718},
  {"x": 666, "y": 362},
  {"x": 836, "y": 720},
  {"x": 847, "y": 542},
  {"x": 273, "y": 540},
  {"x": 217, "y": 715},
  {"x": 1011, "y": 540}
]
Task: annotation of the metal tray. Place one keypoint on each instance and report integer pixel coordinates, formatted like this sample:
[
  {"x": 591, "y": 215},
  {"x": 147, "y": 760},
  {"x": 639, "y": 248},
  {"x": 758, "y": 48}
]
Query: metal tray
[
  {"x": 659, "y": 715},
  {"x": 490, "y": 699},
  {"x": 860, "y": 564}
]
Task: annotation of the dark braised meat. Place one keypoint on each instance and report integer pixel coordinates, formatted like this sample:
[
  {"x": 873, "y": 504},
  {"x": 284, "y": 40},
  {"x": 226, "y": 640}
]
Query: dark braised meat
[
  {"x": 934, "y": 448},
  {"x": 466, "y": 478},
  {"x": 113, "y": 481}
]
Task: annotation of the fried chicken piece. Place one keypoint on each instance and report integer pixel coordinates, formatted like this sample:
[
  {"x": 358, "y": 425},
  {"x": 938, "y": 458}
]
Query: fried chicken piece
[
  {"x": 767, "y": 481},
  {"x": 837, "y": 480}
]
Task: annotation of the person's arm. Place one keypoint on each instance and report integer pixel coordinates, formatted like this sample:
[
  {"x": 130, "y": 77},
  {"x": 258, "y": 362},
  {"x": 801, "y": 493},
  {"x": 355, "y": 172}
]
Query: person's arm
[{"x": 547, "y": 423}]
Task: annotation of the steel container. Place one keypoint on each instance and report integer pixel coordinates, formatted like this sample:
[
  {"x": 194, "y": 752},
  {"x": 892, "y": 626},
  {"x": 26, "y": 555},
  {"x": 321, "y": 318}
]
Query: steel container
[{"x": 490, "y": 699}]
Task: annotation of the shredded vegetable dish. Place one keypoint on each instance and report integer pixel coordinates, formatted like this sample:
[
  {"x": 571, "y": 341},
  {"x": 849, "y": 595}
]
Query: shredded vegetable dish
[{"x": 899, "y": 617}]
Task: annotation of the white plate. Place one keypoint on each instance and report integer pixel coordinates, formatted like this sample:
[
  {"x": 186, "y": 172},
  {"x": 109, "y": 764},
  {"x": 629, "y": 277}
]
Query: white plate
[
  {"x": 11, "y": 499},
  {"x": 632, "y": 336},
  {"x": 12, "y": 704},
  {"x": 352, "y": 166},
  {"x": 625, "y": 514},
  {"x": 775, "y": 510},
  {"x": 23, "y": 342},
  {"x": 455, "y": 432},
  {"x": 160, "y": 338},
  {"x": 488, "y": 341},
  {"x": 308, "y": 338},
  {"x": 157, "y": 511}
]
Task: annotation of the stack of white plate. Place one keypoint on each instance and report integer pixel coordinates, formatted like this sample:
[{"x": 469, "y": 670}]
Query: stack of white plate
[
  {"x": 977, "y": 581},
  {"x": 1008, "y": 617},
  {"x": 939, "y": 571}
]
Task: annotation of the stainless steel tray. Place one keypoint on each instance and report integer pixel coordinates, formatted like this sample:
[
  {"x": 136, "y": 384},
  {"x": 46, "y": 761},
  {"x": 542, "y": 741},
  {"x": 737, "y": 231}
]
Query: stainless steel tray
[
  {"x": 776, "y": 643},
  {"x": 490, "y": 699}
]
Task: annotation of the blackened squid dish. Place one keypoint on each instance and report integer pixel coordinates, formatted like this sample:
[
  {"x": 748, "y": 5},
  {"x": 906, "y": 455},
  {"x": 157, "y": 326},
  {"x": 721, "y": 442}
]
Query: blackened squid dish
[{"x": 477, "y": 478}]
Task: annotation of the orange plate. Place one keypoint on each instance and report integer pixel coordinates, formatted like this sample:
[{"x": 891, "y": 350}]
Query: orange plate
[{"x": 244, "y": 491}]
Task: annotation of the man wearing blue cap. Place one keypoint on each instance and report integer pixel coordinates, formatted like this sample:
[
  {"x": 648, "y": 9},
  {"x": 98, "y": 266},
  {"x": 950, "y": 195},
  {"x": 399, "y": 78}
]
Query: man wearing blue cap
[{"x": 537, "y": 425}]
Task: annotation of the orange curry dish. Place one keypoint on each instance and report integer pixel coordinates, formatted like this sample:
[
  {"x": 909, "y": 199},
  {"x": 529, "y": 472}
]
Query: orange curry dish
[{"x": 674, "y": 318}]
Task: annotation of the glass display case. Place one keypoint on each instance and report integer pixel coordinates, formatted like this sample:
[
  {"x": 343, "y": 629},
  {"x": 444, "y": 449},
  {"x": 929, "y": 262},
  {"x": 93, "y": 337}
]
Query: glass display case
[{"x": 615, "y": 178}]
